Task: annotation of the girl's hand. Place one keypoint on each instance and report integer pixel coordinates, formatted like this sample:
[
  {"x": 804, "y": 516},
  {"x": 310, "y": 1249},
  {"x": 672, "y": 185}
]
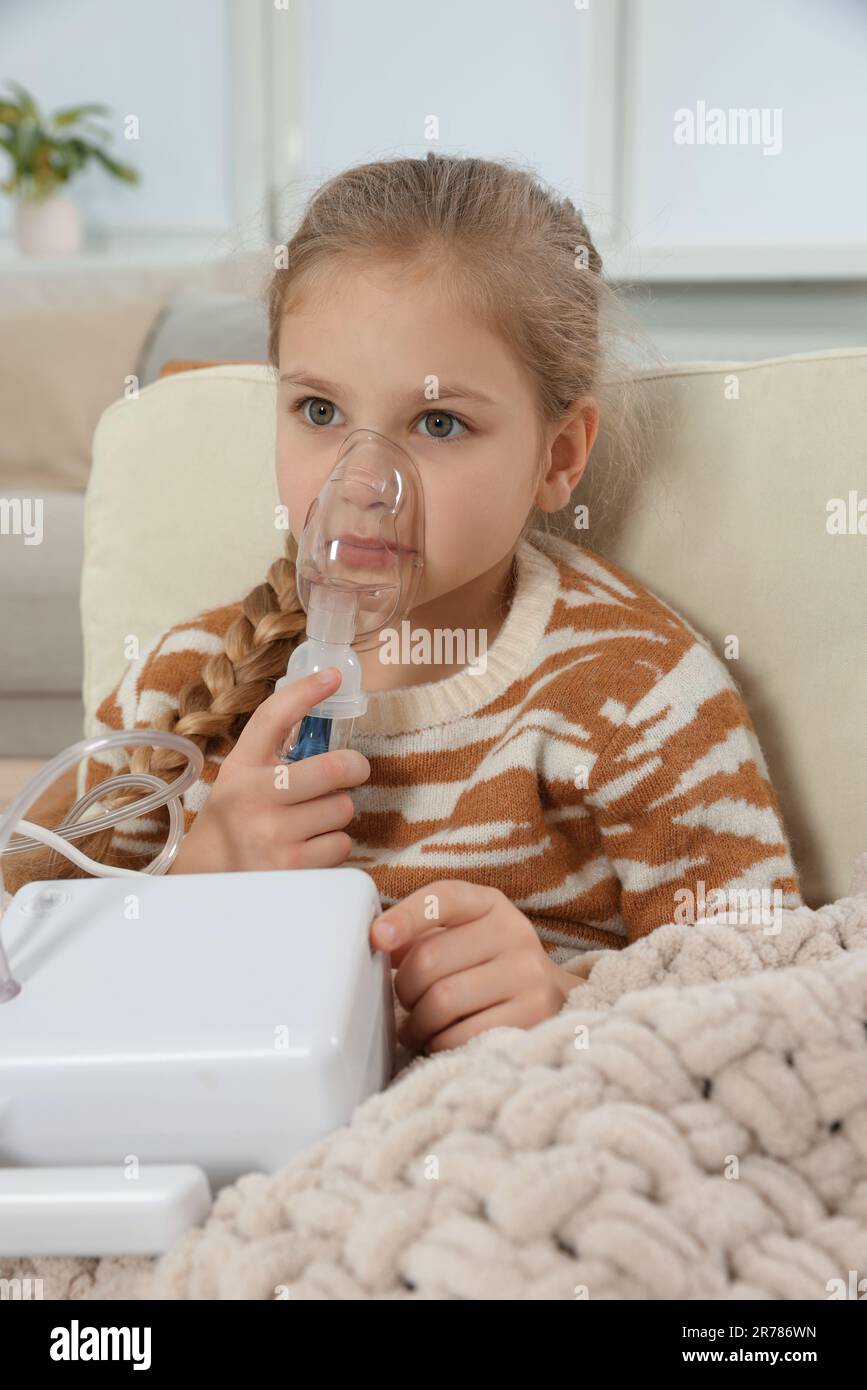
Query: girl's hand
[
  {"x": 262, "y": 813},
  {"x": 491, "y": 972}
]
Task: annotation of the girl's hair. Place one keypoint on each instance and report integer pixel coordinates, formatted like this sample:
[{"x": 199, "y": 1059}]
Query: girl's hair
[{"x": 510, "y": 252}]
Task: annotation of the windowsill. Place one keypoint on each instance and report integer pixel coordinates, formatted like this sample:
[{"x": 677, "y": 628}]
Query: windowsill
[
  {"x": 183, "y": 249},
  {"x": 643, "y": 264},
  {"x": 633, "y": 263}
]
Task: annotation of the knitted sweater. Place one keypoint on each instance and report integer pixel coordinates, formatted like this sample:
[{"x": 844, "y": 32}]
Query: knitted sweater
[{"x": 598, "y": 771}]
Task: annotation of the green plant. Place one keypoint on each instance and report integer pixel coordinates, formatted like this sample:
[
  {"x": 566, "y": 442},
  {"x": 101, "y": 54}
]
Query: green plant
[{"x": 46, "y": 152}]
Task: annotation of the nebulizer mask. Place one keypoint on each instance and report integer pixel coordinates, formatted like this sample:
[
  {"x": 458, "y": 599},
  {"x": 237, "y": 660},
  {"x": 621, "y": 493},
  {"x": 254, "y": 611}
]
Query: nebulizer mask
[
  {"x": 208, "y": 1024},
  {"x": 359, "y": 566}
]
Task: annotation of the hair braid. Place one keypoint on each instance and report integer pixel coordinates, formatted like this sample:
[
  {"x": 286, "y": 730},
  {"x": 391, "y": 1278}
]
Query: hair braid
[{"x": 213, "y": 709}]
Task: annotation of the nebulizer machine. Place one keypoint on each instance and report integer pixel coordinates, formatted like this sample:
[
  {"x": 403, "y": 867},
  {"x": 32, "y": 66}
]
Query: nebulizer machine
[{"x": 161, "y": 1036}]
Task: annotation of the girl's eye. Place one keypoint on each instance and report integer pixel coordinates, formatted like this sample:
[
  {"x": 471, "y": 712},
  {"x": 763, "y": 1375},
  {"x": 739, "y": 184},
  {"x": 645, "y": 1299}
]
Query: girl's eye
[
  {"x": 316, "y": 411},
  {"x": 322, "y": 413},
  {"x": 441, "y": 422}
]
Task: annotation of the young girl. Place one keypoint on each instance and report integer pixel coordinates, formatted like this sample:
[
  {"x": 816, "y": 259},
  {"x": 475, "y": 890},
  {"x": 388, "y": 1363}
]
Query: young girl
[{"x": 600, "y": 768}]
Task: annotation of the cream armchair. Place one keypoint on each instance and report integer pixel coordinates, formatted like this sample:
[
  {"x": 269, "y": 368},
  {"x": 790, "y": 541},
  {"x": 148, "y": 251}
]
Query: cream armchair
[{"x": 729, "y": 525}]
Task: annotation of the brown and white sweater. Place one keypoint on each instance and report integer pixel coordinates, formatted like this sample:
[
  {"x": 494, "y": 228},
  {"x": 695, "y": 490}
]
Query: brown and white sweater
[{"x": 603, "y": 762}]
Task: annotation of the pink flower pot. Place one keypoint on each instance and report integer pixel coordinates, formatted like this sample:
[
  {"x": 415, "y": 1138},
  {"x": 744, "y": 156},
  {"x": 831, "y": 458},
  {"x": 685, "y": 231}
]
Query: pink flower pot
[{"x": 48, "y": 226}]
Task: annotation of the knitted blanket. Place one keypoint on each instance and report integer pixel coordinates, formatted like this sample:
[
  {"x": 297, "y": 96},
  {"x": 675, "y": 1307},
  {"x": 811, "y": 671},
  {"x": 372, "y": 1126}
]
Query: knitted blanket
[{"x": 692, "y": 1124}]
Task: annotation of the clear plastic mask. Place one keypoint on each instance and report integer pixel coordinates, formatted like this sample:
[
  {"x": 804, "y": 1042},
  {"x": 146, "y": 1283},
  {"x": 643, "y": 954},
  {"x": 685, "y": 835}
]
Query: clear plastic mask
[{"x": 361, "y": 553}]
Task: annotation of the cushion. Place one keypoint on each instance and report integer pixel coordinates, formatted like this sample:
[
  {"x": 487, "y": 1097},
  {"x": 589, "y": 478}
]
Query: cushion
[
  {"x": 196, "y": 452},
  {"x": 729, "y": 525},
  {"x": 59, "y": 369},
  {"x": 205, "y": 325},
  {"x": 169, "y": 368}
]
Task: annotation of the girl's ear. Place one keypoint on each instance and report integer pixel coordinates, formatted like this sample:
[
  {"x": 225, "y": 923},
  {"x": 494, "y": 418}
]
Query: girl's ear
[
  {"x": 590, "y": 413},
  {"x": 569, "y": 454}
]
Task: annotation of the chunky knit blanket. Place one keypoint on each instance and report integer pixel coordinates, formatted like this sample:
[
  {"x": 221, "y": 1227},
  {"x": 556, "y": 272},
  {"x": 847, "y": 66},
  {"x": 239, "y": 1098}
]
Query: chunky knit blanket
[{"x": 692, "y": 1125}]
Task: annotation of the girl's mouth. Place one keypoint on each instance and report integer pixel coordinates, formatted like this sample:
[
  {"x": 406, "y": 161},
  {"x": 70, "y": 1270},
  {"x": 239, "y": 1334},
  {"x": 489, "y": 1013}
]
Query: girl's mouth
[{"x": 366, "y": 552}]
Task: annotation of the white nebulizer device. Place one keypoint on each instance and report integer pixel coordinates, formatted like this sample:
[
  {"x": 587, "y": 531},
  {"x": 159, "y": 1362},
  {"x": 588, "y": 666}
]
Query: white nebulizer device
[
  {"x": 359, "y": 566},
  {"x": 161, "y": 1036}
]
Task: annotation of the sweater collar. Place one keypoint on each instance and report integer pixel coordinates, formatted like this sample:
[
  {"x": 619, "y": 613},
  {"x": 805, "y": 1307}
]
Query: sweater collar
[{"x": 513, "y": 652}]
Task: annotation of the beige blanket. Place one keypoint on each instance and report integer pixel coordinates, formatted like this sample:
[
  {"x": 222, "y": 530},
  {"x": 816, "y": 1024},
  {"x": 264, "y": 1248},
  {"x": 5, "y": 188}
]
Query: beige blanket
[{"x": 693, "y": 1124}]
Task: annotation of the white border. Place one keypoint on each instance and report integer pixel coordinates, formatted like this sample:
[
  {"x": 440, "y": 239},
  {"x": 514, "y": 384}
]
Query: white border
[{"x": 612, "y": 119}]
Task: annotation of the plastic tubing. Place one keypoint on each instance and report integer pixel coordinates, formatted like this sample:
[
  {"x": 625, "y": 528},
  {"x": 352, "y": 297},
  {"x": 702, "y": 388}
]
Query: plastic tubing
[{"x": 164, "y": 794}]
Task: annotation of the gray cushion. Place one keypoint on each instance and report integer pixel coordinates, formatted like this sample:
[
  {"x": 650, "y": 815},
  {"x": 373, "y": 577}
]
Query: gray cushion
[{"x": 204, "y": 326}]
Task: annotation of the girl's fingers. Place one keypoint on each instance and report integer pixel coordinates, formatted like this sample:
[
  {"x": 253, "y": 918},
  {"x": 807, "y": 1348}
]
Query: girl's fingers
[
  {"x": 292, "y": 784},
  {"x": 327, "y": 851},
  {"x": 438, "y": 954},
  {"x": 522, "y": 1012},
  {"x": 262, "y": 736},
  {"x": 457, "y": 997},
  {"x": 399, "y": 954},
  {"x": 446, "y": 903},
  {"x": 326, "y": 813}
]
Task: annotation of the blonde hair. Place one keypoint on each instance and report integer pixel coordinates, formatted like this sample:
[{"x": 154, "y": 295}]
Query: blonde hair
[{"x": 511, "y": 252}]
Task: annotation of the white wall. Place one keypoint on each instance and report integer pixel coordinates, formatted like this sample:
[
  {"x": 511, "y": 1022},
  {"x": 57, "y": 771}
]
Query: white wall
[
  {"x": 806, "y": 61},
  {"x": 522, "y": 78},
  {"x": 165, "y": 61},
  {"x": 322, "y": 84},
  {"x": 504, "y": 77}
]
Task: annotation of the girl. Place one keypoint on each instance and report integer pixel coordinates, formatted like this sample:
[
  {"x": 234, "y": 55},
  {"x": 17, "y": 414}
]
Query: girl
[{"x": 600, "y": 770}]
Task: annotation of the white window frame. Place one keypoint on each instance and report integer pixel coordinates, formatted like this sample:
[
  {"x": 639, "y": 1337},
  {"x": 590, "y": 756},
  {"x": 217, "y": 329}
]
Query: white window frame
[
  {"x": 613, "y": 118},
  {"x": 266, "y": 95}
]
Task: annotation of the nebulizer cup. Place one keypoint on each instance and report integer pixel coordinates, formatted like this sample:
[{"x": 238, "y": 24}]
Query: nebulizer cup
[{"x": 359, "y": 566}]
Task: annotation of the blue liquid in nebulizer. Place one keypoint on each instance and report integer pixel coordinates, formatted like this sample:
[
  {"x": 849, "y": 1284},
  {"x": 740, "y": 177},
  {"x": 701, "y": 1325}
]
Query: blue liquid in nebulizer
[
  {"x": 314, "y": 736},
  {"x": 332, "y": 613}
]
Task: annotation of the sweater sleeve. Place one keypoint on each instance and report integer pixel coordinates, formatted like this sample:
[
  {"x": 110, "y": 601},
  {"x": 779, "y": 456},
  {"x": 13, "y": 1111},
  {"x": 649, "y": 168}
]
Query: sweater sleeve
[
  {"x": 683, "y": 802},
  {"x": 137, "y": 840}
]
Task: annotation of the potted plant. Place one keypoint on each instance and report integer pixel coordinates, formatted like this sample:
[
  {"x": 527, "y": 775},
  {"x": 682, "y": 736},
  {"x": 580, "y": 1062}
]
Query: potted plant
[{"x": 46, "y": 153}]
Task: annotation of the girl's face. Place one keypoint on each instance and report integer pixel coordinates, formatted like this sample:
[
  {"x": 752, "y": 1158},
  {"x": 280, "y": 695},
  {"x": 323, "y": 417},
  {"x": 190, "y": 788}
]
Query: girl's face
[{"x": 360, "y": 353}]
